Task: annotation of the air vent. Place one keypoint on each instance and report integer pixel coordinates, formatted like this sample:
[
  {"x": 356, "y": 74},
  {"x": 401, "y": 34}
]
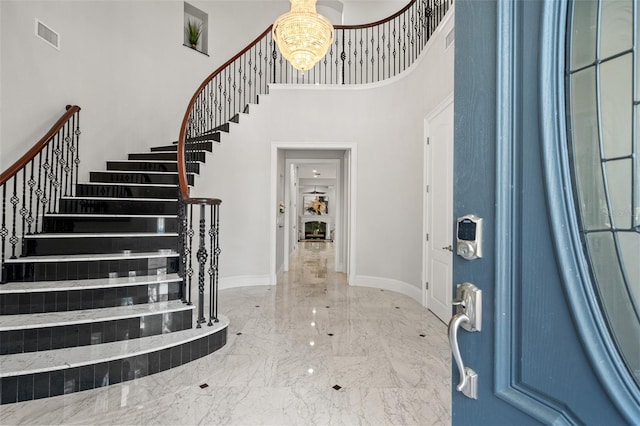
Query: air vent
[
  {"x": 46, "y": 34},
  {"x": 450, "y": 38}
]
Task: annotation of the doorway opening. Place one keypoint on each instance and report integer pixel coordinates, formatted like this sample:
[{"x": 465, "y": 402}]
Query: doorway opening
[{"x": 313, "y": 198}]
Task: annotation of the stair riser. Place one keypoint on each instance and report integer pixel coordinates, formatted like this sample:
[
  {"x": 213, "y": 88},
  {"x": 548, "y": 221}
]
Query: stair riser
[
  {"x": 108, "y": 177},
  {"x": 203, "y": 146},
  {"x": 154, "y": 156},
  {"x": 109, "y": 206},
  {"x": 169, "y": 156},
  {"x": 145, "y": 167},
  {"x": 55, "y": 271},
  {"x": 126, "y": 191},
  {"x": 71, "y": 300},
  {"x": 150, "y": 167},
  {"x": 109, "y": 224},
  {"x": 70, "y": 336},
  {"x": 75, "y": 379},
  {"x": 82, "y": 245}
]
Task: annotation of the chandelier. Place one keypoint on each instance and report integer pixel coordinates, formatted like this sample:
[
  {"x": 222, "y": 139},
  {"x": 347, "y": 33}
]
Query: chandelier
[{"x": 302, "y": 34}]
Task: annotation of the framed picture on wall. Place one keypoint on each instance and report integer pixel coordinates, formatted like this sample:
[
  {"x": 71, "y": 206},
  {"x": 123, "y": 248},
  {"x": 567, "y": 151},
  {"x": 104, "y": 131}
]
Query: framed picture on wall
[{"x": 316, "y": 205}]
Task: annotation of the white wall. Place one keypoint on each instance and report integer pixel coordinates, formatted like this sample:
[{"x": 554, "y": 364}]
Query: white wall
[{"x": 384, "y": 120}]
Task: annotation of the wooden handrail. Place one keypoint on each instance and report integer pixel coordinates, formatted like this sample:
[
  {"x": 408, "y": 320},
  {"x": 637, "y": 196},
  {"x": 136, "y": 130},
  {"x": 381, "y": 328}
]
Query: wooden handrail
[
  {"x": 18, "y": 165},
  {"x": 204, "y": 201}
]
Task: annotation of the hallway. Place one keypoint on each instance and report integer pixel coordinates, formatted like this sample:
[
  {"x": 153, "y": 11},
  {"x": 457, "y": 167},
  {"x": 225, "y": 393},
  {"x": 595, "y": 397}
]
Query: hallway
[{"x": 309, "y": 351}]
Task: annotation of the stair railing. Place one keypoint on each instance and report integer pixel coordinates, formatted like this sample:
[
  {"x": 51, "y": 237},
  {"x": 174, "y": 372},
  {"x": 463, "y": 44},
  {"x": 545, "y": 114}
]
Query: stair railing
[
  {"x": 359, "y": 54},
  {"x": 34, "y": 184}
]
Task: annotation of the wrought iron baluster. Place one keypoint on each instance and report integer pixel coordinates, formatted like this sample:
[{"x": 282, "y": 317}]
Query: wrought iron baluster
[
  {"x": 201, "y": 256},
  {"x": 31, "y": 183},
  {"x": 23, "y": 208},
  {"x": 13, "y": 240},
  {"x": 190, "y": 234},
  {"x": 66, "y": 139},
  {"x": 4, "y": 231},
  {"x": 77, "y": 133},
  {"x": 55, "y": 162},
  {"x": 182, "y": 248},
  {"x": 39, "y": 195},
  {"x": 216, "y": 256}
]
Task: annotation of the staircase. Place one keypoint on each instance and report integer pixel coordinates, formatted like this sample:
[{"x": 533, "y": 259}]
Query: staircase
[{"x": 95, "y": 298}]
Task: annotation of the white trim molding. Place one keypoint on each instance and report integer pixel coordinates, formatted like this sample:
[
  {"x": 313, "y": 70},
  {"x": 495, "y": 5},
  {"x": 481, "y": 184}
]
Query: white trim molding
[{"x": 243, "y": 281}]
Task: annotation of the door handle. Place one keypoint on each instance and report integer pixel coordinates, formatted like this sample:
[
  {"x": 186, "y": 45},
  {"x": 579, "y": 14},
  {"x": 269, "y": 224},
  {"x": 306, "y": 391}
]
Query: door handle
[
  {"x": 468, "y": 315},
  {"x": 448, "y": 248},
  {"x": 468, "y": 383}
]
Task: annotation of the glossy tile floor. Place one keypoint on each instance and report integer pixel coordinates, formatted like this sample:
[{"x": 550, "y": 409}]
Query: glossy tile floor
[{"x": 310, "y": 351}]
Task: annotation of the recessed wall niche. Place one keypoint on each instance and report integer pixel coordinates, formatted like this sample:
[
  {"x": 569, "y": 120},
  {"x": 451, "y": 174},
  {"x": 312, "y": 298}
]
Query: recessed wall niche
[{"x": 196, "y": 29}]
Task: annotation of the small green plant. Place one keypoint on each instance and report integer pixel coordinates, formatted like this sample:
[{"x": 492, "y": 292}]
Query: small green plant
[{"x": 194, "y": 31}]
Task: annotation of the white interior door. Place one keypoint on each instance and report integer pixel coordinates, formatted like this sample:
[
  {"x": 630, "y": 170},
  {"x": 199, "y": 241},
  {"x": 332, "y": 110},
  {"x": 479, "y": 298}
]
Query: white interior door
[{"x": 439, "y": 211}]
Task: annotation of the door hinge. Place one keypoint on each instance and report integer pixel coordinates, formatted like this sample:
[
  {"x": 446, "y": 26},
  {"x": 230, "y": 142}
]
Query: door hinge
[
  {"x": 427, "y": 188},
  {"x": 426, "y": 285},
  {"x": 427, "y": 237},
  {"x": 428, "y": 140}
]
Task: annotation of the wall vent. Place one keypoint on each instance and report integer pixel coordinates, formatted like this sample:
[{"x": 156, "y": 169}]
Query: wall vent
[
  {"x": 46, "y": 34},
  {"x": 451, "y": 36}
]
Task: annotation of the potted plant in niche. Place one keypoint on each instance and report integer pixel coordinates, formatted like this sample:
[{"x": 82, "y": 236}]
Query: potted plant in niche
[{"x": 194, "y": 31}]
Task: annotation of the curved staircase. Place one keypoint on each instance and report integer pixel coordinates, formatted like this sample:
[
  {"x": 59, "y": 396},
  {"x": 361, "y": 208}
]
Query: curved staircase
[{"x": 95, "y": 298}]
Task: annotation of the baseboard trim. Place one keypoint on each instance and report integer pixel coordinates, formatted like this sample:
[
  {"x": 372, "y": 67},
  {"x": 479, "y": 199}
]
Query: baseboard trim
[
  {"x": 388, "y": 284},
  {"x": 243, "y": 281}
]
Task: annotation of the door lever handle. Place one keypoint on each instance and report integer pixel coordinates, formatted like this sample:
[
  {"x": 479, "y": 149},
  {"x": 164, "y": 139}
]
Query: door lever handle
[
  {"x": 468, "y": 383},
  {"x": 448, "y": 248},
  {"x": 468, "y": 315}
]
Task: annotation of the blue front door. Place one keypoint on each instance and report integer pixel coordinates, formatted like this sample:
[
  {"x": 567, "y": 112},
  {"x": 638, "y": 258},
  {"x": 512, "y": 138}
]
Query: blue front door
[{"x": 545, "y": 353}]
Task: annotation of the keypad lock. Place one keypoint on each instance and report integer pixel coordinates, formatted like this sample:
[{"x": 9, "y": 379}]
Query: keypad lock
[{"x": 469, "y": 237}]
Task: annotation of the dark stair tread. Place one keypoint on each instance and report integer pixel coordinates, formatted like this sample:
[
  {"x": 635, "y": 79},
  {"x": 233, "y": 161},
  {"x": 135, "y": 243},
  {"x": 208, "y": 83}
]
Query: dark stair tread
[
  {"x": 67, "y": 285},
  {"x": 61, "y": 359},
  {"x": 87, "y": 316}
]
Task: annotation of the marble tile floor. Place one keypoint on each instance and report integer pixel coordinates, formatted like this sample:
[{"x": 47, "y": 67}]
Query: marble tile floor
[{"x": 310, "y": 351}]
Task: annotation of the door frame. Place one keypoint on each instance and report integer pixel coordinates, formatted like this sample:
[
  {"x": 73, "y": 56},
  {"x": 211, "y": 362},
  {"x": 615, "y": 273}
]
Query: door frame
[
  {"x": 448, "y": 100},
  {"x": 349, "y": 206}
]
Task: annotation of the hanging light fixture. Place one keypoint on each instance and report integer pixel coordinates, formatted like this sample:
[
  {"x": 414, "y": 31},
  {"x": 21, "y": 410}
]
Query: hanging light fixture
[{"x": 302, "y": 34}]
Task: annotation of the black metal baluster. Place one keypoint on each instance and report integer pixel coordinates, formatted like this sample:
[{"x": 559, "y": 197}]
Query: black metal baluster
[
  {"x": 343, "y": 57},
  {"x": 13, "y": 240},
  {"x": 201, "y": 256},
  {"x": 182, "y": 248},
  {"x": 77, "y": 134},
  {"x": 23, "y": 208},
  {"x": 4, "y": 232},
  {"x": 55, "y": 166},
  {"x": 46, "y": 204},
  {"x": 31, "y": 184},
  {"x": 190, "y": 234},
  {"x": 211, "y": 267},
  {"x": 71, "y": 156},
  {"x": 39, "y": 195},
  {"x": 64, "y": 161},
  {"x": 216, "y": 256}
]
